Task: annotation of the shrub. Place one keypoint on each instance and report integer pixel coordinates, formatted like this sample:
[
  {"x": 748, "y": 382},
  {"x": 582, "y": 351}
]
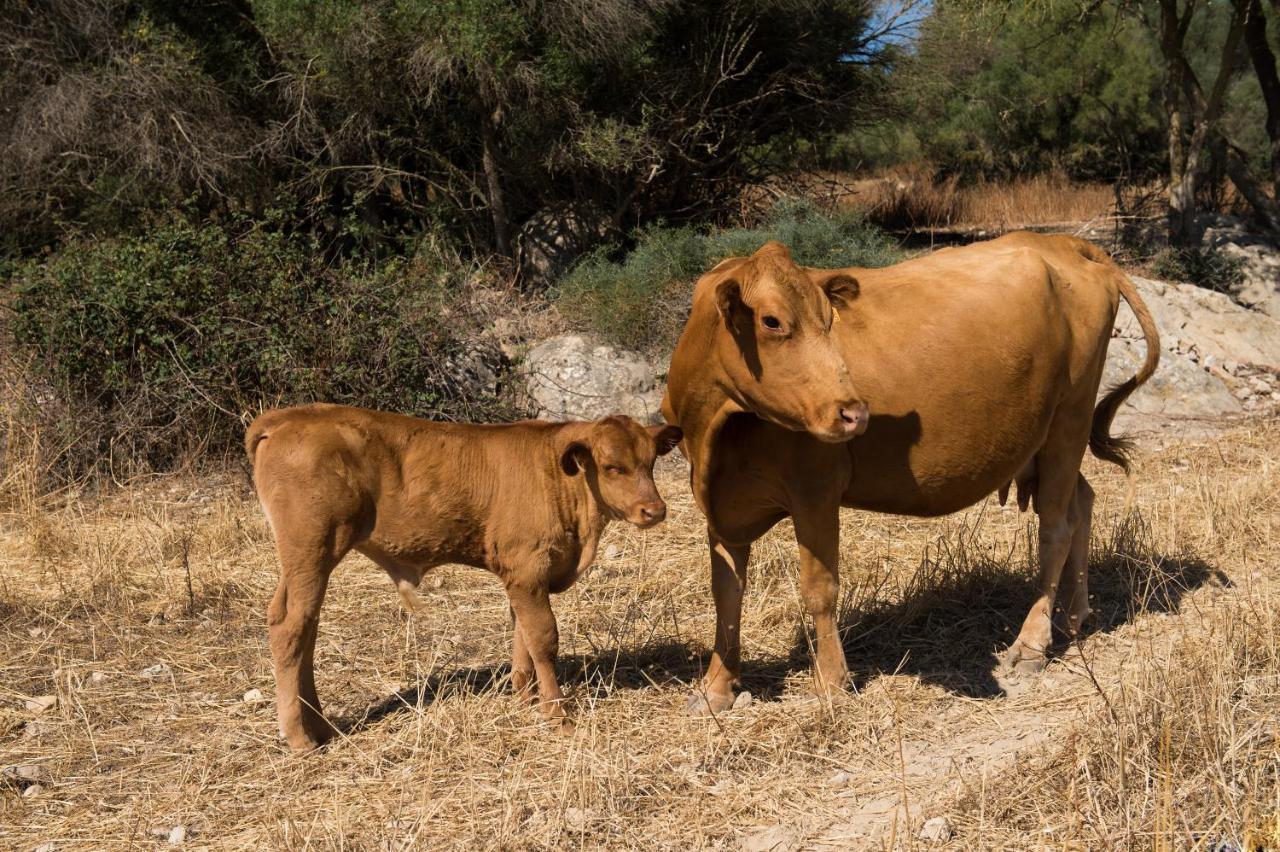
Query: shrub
[
  {"x": 1210, "y": 269},
  {"x": 641, "y": 300},
  {"x": 166, "y": 342}
]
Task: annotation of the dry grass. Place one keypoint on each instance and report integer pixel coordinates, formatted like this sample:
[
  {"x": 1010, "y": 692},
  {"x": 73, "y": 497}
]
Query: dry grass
[
  {"x": 917, "y": 199},
  {"x": 1158, "y": 730}
]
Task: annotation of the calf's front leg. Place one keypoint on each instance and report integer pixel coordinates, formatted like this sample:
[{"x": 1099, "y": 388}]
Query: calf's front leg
[
  {"x": 536, "y": 624},
  {"x": 522, "y": 674}
]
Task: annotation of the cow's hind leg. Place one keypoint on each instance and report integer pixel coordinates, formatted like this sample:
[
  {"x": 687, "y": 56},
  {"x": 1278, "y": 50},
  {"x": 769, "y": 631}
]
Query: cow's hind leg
[
  {"x": 1073, "y": 607},
  {"x": 1058, "y": 473},
  {"x": 307, "y": 557}
]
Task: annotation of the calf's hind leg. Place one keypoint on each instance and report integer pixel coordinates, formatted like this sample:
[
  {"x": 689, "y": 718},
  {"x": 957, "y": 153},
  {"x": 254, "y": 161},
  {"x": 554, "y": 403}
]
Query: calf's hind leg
[{"x": 307, "y": 558}]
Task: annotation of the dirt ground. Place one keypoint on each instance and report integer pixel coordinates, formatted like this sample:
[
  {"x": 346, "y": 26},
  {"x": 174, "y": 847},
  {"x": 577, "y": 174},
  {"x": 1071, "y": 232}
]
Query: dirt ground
[{"x": 136, "y": 711}]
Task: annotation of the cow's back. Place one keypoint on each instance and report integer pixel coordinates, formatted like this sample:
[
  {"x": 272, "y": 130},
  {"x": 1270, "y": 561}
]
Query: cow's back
[{"x": 964, "y": 356}]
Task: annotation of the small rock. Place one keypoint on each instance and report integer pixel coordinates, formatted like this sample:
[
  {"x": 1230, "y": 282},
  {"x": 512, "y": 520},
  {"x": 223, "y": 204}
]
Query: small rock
[
  {"x": 35, "y": 632},
  {"x": 578, "y": 818},
  {"x": 46, "y": 847},
  {"x": 41, "y": 703},
  {"x": 840, "y": 779},
  {"x": 178, "y": 834},
  {"x": 611, "y": 552},
  {"x": 254, "y": 696},
  {"x": 743, "y": 700},
  {"x": 97, "y": 677},
  {"x": 936, "y": 830},
  {"x": 33, "y": 791},
  {"x": 158, "y": 670},
  {"x": 29, "y": 773}
]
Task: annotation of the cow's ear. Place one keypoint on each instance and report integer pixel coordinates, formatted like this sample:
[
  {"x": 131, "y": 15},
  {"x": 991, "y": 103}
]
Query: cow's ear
[
  {"x": 841, "y": 289},
  {"x": 728, "y": 300},
  {"x": 666, "y": 437},
  {"x": 574, "y": 458}
]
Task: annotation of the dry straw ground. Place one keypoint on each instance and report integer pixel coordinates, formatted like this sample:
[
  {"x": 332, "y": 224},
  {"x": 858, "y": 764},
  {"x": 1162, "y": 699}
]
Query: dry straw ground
[{"x": 1159, "y": 730}]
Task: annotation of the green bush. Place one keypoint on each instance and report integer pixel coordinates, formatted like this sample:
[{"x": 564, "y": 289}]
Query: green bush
[
  {"x": 641, "y": 300},
  {"x": 1210, "y": 269},
  {"x": 165, "y": 342}
]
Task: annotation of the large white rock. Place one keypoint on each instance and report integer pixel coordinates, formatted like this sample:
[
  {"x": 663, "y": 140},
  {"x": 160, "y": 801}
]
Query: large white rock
[
  {"x": 1180, "y": 388},
  {"x": 1257, "y": 254},
  {"x": 1205, "y": 324},
  {"x": 571, "y": 378}
]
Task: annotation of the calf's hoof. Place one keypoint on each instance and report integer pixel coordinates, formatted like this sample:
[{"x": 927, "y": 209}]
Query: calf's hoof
[{"x": 709, "y": 703}]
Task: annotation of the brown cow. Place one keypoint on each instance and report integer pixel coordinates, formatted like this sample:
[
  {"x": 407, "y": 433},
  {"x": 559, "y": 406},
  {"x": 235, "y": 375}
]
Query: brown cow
[
  {"x": 978, "y": 366},
  {"x": 527, "y": 501}
]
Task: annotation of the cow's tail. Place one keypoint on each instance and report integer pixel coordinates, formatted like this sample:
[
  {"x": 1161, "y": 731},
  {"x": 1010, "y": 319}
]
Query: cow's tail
[{"x": 1104, "y": 445}]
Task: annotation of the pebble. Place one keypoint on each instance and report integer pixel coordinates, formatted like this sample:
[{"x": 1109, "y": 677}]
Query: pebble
[
  {"x": 936, "y": 830},
  {"x": 611, "y": 552},
  {"x": 97, "y": 677},
  {"x": 33, "y": 791},
  {"x": 578, "y": 818},
  {"x": 254, "y": 696},
  {"x": 41, "y": 703},
  {"x": 840, "y": 779},
  {"x": 158, "y": 670},
  {"x": 743, "y": 700},
  {"x": 177, "y": 834},
  {"x": 30, "y": 772}
]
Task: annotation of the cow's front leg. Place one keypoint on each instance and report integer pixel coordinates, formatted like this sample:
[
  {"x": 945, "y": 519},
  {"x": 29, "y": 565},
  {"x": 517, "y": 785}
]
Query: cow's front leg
[
  {"x": 537, "y": 625},
  {"x": 818, "y": 537},
  {"x": 728, "y": 583}
]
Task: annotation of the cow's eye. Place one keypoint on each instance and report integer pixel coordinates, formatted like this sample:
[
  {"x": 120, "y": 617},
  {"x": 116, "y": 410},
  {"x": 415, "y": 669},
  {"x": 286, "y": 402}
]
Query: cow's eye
[
  {"x": 772, "y": 323},
  {"x": 612, "y": 468}
]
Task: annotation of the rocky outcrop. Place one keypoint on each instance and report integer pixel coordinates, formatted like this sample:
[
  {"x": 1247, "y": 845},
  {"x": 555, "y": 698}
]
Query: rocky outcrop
[
  {"x": 1258, "y": 256},
  {"x": 1218, "y": 357},
  {"x": 571, "y": 378}
]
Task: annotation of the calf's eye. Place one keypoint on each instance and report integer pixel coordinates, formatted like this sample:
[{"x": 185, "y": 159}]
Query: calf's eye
[{"x": 772, "y": 323}]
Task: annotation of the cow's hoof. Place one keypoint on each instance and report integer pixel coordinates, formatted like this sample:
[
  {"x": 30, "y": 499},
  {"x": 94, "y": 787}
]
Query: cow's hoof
[
  {"x": 304, "y": 742},
  {"x": 709, "y": 703},
  {"x": 1020, "y": 659}
]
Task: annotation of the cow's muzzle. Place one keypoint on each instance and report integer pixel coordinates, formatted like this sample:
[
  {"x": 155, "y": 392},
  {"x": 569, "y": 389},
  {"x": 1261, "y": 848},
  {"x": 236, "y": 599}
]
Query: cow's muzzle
[{"x": 846, "y": 420}]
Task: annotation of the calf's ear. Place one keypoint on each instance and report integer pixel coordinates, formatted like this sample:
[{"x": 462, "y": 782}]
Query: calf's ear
[
  {"x": 574, "y": 458},
  {"x": 728, "y": 300},
  {"x": 666, "y": 437}
]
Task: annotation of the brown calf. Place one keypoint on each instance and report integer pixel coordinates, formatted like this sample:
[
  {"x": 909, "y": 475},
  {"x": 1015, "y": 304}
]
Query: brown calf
[{"x": 527, "y": 501}]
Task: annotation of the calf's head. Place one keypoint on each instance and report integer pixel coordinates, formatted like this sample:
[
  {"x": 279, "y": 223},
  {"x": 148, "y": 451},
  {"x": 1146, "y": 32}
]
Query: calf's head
[
  {"x": 775, "y": 346},
  {"x": 616, "y": 456}
]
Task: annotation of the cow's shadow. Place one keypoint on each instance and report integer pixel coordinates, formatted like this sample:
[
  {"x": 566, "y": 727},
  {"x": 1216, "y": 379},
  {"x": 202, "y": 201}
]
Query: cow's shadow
[
  {"x": 946, "y": 631},
  {"x": 951, "y": 632}
]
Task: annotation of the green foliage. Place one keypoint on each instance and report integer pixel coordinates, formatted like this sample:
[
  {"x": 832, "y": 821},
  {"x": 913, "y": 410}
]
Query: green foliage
[
  {"x": 1211, "y": 269},
  {"x": 641, "y": 299},
  {"x": 1028, "y": 88},
  {"x": 173, "y": 336}
]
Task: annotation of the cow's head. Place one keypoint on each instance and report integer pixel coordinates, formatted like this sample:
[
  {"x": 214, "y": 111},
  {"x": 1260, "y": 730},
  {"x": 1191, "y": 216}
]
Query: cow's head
[
  {"x": 616, "y": 457},
  {"x": 776, "y": 349}
]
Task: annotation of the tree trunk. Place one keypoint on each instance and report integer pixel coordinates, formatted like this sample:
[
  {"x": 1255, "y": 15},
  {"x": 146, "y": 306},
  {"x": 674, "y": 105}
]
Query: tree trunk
[
  {"x": 1182, "y": 161},
  {"x": 1264, "y": 65},
  {"x": 493, "y": 181}
]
